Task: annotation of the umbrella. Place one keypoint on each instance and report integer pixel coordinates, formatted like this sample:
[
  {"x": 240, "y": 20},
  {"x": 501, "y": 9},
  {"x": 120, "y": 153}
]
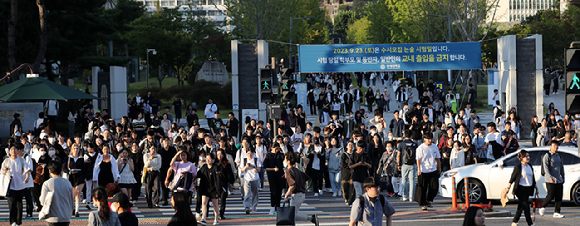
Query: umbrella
[{"x": 35, "y": 88}]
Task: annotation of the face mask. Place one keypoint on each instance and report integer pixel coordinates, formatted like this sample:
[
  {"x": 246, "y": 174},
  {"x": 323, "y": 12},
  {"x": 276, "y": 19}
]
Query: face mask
[
  {"x": 119, "y": 148},
  {"x": 30, "y": 137},
  {"x": 201, "y": 158},
  {"x": 85, "y": 148},
  {"x": 152, "y": 117},
  {"x": 390, "y": 137},
  {"x": 51, "y": 153},
  {"x": 113, "y": 208},
  {"x": 389, "y": 149},
  {"x": 285, "y": 164},
  {"x": 373, "y": 132},
  {"x": 51, "y": 139},
  {"x": 34, "y": 149},
  {"x": 42, "y": 153}
]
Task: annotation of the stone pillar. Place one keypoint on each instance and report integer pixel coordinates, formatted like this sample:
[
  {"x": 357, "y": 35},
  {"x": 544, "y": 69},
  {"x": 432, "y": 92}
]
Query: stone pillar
[
  {"x": 507, "y": 71},
  {"x": 118, "y": 97},
  {"x": 236, "y": 83},
  {"x": 263, "y": 60},
  {"x": 539, "y": 76},
  {"x": 95, "y": 84}
]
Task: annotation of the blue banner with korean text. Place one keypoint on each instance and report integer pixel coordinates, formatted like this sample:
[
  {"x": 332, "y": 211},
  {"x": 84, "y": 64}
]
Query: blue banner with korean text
[{"x": 389, "y": 57}]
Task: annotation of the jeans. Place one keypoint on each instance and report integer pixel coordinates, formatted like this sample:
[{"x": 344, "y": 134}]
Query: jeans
[
  {"x": 555, "y": 191},
  {"x": 320, "y": 115},
  {"x": 408, "y": 174},
  {"x": 358, "y": 191},
  {"x": 251, "y": 194},
  {"x": 296, "y": 201},
  {"x": 334, "y": 181},
  {"x": 356, "y": 105},
  {"x": 523, "y": 194}
]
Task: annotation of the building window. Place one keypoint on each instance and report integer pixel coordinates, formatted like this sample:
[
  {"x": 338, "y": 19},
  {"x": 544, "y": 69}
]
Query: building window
[
  {"x": 214, "y": 13},
  {"x": 215, "y": 2}
]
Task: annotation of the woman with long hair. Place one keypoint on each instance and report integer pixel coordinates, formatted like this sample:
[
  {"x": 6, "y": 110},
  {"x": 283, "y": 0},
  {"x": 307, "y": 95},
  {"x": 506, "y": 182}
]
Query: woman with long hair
[
  {"x": 542, "y": 133},
  {"x": 515, "y": 124},
  {"x": 209, "y": 187},
  {"x": 524, "y": 184},
  {"x": 126, "y": 168},
  {"x": 333, "y": 155},
  {"x": 346, "y": 174},
  {"x": 387, "y": 98},
  {"x": 568, "y": 123},
  {"x": 183, "y": 215},
  {"x": 551, "y": 109},
  {"x": 227, "y": 178},
  {"x": 470, "y": 152},
  {"x": 534, "y": 125},
  {"x": 104, "y": 215},
  {"x": 137, "y": 159},
  {"x": 106, "y": 170},
  {"x": 165, "y": 123},
  {"x": 474, "y": 217},
  {"x": 74, "y": 167},
  {"x": 370, "y": 99},
  {"x": 273, "y": 164},
  {"x": 139, "y": 125}
]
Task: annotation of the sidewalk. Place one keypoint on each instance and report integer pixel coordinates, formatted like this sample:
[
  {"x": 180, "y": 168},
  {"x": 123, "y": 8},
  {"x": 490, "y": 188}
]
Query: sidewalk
[{"x": 271, "y": 220}]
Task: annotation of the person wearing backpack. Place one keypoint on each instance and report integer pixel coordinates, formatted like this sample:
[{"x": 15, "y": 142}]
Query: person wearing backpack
[
  {"x": 369, "y": 208},
  {"x": 408, "y": 166},
  {"x": 553, "y": 172}
]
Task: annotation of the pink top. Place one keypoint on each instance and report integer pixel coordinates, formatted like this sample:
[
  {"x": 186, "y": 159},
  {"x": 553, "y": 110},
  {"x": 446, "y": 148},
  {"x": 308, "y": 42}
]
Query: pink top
[{"x": 180, "y": 167}]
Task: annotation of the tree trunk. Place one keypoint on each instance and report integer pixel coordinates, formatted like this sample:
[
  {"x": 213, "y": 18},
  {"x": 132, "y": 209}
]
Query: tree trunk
[
  {"x": 160, "y": 77},
  {"x": 43, "y": 36},
  {"x": 12, "y": 36},
  {"x": 64, "y": 72}
]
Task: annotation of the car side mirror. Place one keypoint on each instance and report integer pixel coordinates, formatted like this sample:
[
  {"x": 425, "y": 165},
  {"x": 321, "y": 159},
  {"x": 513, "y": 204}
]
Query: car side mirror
[{"x": 500, "y": 165}]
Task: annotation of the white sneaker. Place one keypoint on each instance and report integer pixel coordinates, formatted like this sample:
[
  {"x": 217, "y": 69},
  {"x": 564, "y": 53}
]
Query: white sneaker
[
  {"x": 197, "y": 215},
  {"x": 215, "y": 221},
  {"x": 272, "y": 211},
  {"x": 334, "y": 194},
  {"x": 84, "y": 201},
  {"x": 315, "y": 194},
  {"x": 404, "y": 199},
  {"x": 340, "y": 193},
  {"x": 321, "y": 192},
  {"x": 558, "y": 215},
  {"x": 514, "y": 224},
  {"x": 541, "y": 211}
]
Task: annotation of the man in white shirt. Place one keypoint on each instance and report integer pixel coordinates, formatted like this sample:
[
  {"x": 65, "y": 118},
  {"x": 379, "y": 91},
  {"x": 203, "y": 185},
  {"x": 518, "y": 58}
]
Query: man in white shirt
[
  {"x": 210, "y": 109},
  {"x": 17, "y": 169},
  {"x": 51, "y": 107},
  {"x": 428, "y": 170}
]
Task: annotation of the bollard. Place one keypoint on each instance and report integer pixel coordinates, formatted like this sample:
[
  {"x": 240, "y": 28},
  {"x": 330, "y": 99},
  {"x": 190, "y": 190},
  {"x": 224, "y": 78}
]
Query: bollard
[
  {"x": 466, "y": 186},
  {"x": 453, "y": 195}
]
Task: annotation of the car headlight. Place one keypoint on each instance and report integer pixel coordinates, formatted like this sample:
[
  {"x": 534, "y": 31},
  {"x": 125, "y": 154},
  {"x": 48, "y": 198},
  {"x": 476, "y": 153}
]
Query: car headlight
[{"x": 449, "y": 174}]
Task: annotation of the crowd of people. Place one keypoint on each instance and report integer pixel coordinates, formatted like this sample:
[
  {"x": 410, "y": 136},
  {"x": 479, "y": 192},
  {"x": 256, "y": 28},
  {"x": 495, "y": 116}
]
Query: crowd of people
[{"x": 108, "y": 162}]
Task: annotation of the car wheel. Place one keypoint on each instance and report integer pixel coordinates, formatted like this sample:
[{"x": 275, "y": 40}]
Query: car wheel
[
  {"x": 576, "y": 194},
  {"x": 476, "y": 191}
]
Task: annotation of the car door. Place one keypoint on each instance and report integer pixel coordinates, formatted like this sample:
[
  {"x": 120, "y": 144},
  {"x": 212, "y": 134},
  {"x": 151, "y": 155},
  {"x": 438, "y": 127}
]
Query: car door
[
  {"x": 571, "y": 171},
  {"x": 536, "y": 161},
  {"x": 500, "y": 176}
]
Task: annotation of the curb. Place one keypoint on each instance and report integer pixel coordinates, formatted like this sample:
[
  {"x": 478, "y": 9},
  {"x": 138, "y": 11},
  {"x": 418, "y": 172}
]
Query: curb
[{"x": 461, "y": 215}]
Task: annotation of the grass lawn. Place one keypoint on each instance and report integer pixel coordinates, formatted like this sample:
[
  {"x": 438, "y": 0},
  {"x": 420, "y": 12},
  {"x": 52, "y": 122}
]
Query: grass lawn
[{"x": 153, "y": 82}]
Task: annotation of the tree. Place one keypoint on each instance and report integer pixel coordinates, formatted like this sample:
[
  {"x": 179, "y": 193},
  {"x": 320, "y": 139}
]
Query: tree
[
  {"x": 343, "y": 20},
  {"x": 358, "y": 33},
  {"x": 259, "y": 19}
]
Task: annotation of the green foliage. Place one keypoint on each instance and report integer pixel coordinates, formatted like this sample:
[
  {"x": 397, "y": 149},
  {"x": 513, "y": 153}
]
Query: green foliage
[
  {"x": 358, "y": 32},
  {"x": 27, "y": 33},
  {"x": 343, "y": 20}
]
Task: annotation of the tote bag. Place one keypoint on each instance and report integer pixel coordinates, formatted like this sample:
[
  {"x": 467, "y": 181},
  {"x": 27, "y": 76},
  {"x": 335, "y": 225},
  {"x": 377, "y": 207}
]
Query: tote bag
[{"x": 286, "y": 215}]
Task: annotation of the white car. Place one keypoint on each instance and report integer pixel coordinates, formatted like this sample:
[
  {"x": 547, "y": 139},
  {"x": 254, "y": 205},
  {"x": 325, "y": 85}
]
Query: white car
[{"x": 486, "y": 181}]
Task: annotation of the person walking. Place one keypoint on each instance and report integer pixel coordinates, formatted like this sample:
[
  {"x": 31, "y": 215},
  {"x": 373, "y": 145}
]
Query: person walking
[
  {"x": 152, "y": 161},
  {"x": 251, "y": 167},
  {"x": 16, "y": 168},
  {"x": 227, "y": 178},
  {"x": 209, "y": 187},
  {"x": 210, "y": 109},
  {"x": 296, "y": 185},
  {"x": 408, "y": 166},
  {"x": 428, "y": 170},
  {"x": 346, "y": 174},
  {"x": 275, "y": 168},
  {"x": 553, "y": 172},
  {"x": 74, "y": 167},
  {"x": 104, "y": 215},
  {"x": 524, "y": 184},
  {"x": 360, "y": 164},
  {"x": 369, "y": 208},
  {"x": 61, "y": 190}
]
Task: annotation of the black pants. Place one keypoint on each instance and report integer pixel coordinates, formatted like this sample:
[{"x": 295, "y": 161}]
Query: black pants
[
  {"x": 313, "y": 108},
  {"x": 555, "y": 89},
  {"x": 15, "y": 206},
  {"x": 164, "y": 189},
  {"x": 348, "y": 192},
  {"x": 555, "y": 191},
  {"x": 136, "y": 191},
  {"x": 348, "y": 108},
  {"x": 428, "y": 186},
  {"x": 223, "y": 197},
  {"x": 326, "y": 180},
  {"x": 547, "y": 89},
  {"x": 58, "y": 224},
  {"x": 29, "y": 202},
  {"x": 523, "y": 194},
  {"x": 152, "y": 188},
  {"x": 315, "y": 177},
  {"x": 277, "y": 183},
  {"x": 36, "y": 194}
]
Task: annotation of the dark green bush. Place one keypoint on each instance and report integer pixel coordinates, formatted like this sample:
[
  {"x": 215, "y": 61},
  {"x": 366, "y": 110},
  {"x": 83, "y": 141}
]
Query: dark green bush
[{"x": 199, "y": 93}]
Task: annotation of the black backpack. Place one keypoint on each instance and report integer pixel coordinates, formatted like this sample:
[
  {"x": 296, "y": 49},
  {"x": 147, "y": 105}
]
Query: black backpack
[
  {"x": 548, "y": 163},
  {"x": 409, "y": 154}
]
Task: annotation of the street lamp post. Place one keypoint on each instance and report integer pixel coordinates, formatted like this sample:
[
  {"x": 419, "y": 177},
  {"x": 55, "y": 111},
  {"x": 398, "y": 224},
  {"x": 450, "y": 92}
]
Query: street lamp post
[
  {"x": 147, "y": 77},
  {"x": 290, "y": 63}
]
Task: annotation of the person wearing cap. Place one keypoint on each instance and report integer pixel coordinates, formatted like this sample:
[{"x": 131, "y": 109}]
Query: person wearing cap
[
  {"x": 428, "y": 170},
  {"x": 120, "y": 204},
  {"x": 372, "y": 208},
  {"x": 360, "y": 164}
]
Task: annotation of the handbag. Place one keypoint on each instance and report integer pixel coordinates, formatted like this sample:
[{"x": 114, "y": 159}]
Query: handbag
[
  {"x": 504, "y": 197},
  {"x": 286, "y": 215},
  {"x": 5, "y": 180},
  {"x": 46, "y": 208},
  {"x": 144, "y": 176},
  {"x": 536, "y": 202}
]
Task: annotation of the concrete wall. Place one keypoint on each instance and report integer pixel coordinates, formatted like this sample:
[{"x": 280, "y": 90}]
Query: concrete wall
[
  {"x": 118, "y": 97},
  {"x": 526, "y": 60}
]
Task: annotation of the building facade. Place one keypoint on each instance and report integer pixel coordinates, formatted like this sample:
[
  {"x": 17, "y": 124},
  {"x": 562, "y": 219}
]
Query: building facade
[{"x": 214, "y": 10}]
